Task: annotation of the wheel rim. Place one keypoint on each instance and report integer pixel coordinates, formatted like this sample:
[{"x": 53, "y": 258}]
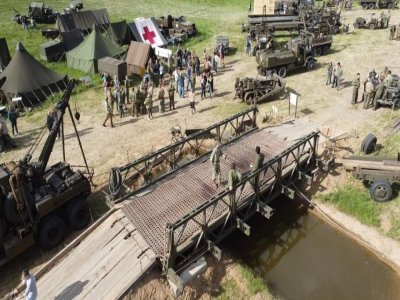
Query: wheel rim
[{"x": 381, "y": 192}]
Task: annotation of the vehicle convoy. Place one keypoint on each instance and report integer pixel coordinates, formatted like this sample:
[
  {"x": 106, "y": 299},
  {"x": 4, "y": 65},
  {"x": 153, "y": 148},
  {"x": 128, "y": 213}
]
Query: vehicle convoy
[
  {"x": 371, "y": 4},
  {"x": 297, "y": 54},
  {"x": 259, "y": 90},
  {"x": 374, "y": 23},
  {"x": 37, "y": 202}
]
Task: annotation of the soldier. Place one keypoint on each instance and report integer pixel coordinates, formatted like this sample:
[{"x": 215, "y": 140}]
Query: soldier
[
  {"x": 161, "y": 94},
  {"x": 135, "y": 98},
  {"x": 127, "y": 86},
  {"x": 256, "y": 165},
  {"x": 109, "y": 111},
  {"x": 215, "y": 158},
  {"x": 329, "y": 73},
  {"x": 234, "y": 178},
  {"x": 392, "y": 32},
  {"x": 378, "y": 93},
  {"x": 339, "y": 74},
  {"x": 171, "y": 94},
  {"x": 356, "y": 86},
  {"x": 369, "y": 90},
  {"x": 149, "y": 102},
  {"x": 389, "y": 79}
]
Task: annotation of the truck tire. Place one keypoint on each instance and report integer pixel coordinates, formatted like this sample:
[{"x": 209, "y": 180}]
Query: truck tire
[
  {"x": 282, "y": 71},
  {"x": 389, "y": 5},
  {"x": 371, "y": 26},
  {"x": 249, "y": 97},
  {"x": 311, "y": 65},
  {"x": 325, "y": 50},
  {"x": 381, "y": 191},
  {"x": 77, "y": 213},
  {"x": 369, "y": 135},
  {"x": 11, "y": 213},
  {"x": 365, "y": 6},
  {"x": 51, "y": 231},
  {"x": 371, "y": 5},
  {"x": 370, "y": 145}
]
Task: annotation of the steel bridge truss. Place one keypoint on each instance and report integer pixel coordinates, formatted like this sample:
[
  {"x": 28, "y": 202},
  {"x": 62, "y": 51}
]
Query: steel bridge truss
[
  {"x": 122, "y": 179},
  {"x": 202, "y": 229}
]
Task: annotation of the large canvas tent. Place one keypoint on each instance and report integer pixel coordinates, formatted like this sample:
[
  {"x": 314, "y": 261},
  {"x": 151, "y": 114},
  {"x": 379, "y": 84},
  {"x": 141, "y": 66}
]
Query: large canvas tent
[
  {"x": 113, "y": 66},
  {"x": 96, "y": 46},
  {"x": 28, "y": 78},
  {"x": 71, "y": 39},
  {"x": 137, "y": 57},
  {"x": 4, "y": 54},
  {"x": 83, "y": 20},
  {"x": 122, "y": 32}
]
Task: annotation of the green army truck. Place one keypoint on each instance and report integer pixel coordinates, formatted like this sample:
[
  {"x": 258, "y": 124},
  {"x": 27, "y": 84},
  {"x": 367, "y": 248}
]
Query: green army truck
[{"x": 296, "y": 55}]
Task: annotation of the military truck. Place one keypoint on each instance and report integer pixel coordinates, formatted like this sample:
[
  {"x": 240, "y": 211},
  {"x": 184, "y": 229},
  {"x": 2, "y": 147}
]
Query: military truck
[
  {"x": 39, "y": 12},
  {"x": 296, "y": 55},
  {"x": 390, "y": 96},
  {"x": 222, "y": 40},
  {"x": 180, "y": 25},
  {"x": 374, "y": 23},
  {"x": 38, "y": 203},
  {"x": 371, "y": 4}
]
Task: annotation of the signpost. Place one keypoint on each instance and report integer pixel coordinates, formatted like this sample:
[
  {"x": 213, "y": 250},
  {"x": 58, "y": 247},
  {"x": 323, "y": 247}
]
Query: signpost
[{"x": 293, "y": 100}]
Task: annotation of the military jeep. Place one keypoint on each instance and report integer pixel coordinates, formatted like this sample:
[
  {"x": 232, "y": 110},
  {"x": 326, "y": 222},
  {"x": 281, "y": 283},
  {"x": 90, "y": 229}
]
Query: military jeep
[
  {"x": 391, "y": 95},
  {"x": 180, "y": 25}
]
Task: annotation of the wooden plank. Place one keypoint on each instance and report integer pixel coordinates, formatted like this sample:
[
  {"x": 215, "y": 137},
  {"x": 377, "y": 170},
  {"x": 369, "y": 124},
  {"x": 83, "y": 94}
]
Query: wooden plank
[{"x": 370, "y": 165}]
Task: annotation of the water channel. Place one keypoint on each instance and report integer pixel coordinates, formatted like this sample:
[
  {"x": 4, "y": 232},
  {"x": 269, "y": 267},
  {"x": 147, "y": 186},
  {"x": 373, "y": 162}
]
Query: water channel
[{"x": 300, "y": 256}]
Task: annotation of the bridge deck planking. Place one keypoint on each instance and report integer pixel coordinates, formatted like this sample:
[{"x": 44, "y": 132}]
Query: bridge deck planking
[
  {"x": 105, "y": 264},
  {"x": 191, "y": 187}
]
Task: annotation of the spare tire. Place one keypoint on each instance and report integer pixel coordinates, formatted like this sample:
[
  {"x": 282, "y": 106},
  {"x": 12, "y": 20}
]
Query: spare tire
[
  {"x": 370, "y": 144},
  {"x": 365, "y": 140}
]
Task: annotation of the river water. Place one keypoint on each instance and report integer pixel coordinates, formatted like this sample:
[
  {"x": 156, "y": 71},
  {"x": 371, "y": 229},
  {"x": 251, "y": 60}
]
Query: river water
[{"x": 300, "y": 256}]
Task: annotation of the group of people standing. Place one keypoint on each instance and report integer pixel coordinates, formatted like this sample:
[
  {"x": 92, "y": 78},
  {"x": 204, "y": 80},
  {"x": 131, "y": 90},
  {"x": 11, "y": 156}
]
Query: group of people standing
[
  {"x": 334, "y": 75},
  {"x": 374, "y": 87}
]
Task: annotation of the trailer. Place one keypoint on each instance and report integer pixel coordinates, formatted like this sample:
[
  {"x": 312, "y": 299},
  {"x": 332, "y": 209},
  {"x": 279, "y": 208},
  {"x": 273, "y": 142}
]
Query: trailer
[
  {"x": 380, "y": 174},
  {"x": 252, "y": 90}
]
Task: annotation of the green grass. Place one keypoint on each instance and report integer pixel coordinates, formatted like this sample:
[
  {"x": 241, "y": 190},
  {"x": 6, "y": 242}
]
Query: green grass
[
  {"x": 254, "y": 283},
  {"x": 229, "y": 290},
  {"x": 354, "y": 199},
  {"x": 394, "y": 231}
]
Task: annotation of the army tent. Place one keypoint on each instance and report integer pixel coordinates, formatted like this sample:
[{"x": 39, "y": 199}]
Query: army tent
[
  {"x": 96, "y": 46},
  {"x": 122, "y": 32},
  {"x": 30, "y": 79},
  {"x": 71, "y": 38},
  {"x": 83, "y": 20},
  {"x": 137, "y": 57},
  {"x": 4, "y": 54},
  {"x": 113, "y": 67}
]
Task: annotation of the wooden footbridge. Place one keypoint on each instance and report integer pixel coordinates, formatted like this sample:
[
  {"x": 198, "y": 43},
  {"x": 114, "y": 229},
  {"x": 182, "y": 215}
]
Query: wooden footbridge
[{"x": 171, "y": 220}]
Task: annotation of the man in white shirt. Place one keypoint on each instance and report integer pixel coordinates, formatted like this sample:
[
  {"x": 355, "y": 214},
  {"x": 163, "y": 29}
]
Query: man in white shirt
[{"x": 29, "y": 281}]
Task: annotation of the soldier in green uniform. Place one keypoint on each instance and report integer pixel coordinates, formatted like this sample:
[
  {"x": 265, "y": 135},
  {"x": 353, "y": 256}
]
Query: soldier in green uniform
[
  {"x": 356, "y": 86},
  {"x": 378, "y": 93},
  {"x": 234, "y": 178},
  {"x": 369, "y": 90},
  {"x": 171, "y": 94},
  {"x": 256, "y": 165},
  {"x": 215, "y": 159},
  {"x": 149, "y": 101},
  {"x": 109, "y": 111}
]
